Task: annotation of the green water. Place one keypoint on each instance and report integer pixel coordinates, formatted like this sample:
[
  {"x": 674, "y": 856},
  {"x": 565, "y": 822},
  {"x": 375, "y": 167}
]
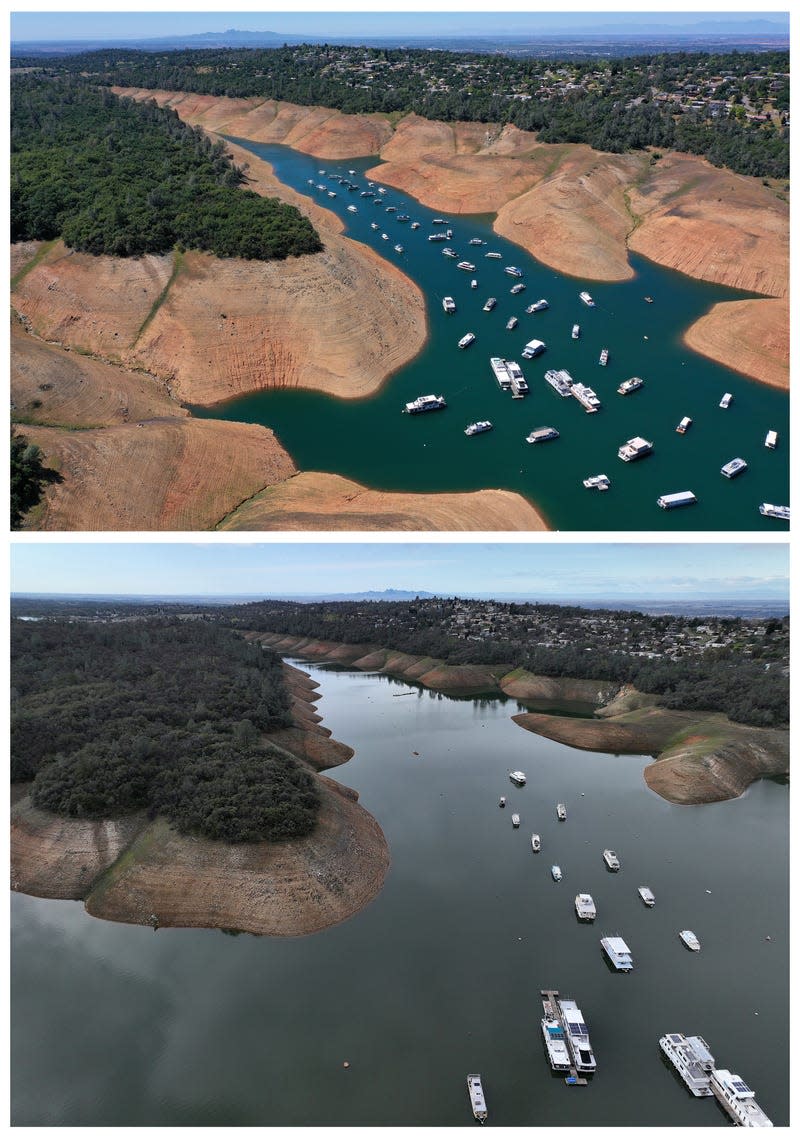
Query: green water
[
  {"x": 371, "y": 442},
  {"x": 440, "y": 975}
]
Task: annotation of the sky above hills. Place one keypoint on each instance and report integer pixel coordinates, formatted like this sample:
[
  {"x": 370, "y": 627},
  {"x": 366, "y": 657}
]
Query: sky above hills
[
  {"x": 616, "y": 570},
  {"x": 326, "y": 21}
]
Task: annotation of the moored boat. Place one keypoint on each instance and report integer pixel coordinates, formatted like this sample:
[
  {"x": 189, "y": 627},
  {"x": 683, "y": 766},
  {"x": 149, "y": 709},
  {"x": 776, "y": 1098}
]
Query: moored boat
[
  {"x": 733, "y": 468},
  {"x": 635, "y": 448},
  {"x": 353, "y": 209},
  {"x": 678, "y": 498},
  {"x": 586, "y": 397},
  {"x": 518, "y": 777},
  {"x": 501, "y": 373},
  {"x": 647, "y": 895},
  {"x": 541, "y": 435},
  {"x": 560, "y": 380},
  {"x": 587, "y": 300},
  {"x": 490, "y": 304},
  {"x": 561, "y": 812},
  {"x": 538, "y": 306},
  {"x": 513, "y": 271},
  {"x": 585, "y": 907},
  {"x": 726, "y": 400},
  {"x": 577, "y": 1036},
  {"x": 473, "y": 284},
  {"x": 478, "y": 428},
  {"x": 603, "y": 360},
  {"x": 476, "y": 1097},
  {"x": 533, "y": 348},
  {"x": 684, "y": 425},
  {"x": 690, "y": 940},
  {"x": 555, "y": 1040},
  {"x": 515, "y": 289},
  {"x": 576, "y": 331},
  {"x": 448, "y": 304},
  {"x": 737, "y": 1099},
  {"x": 426, "y": 403},
  {"x": 598, "y": 482},
  {"x": 398, "y": 248},
  {"x": 467, "y": 266},
  {"x": 691, "y": 1058},
  {"x": 611, "y": 860},
  {"x": 617, "y": 953},
  {"x": 494, "y": 256},
  {"x": 631, "y": 385},
  {"x": 769, "y": 510},
  {"x": 466, "y": 340},
  {"x": 511, "y": 323},
  {"x": 515, "y": 821},
  {"x": 556, "y": 872},
  {"x": 771, "y": 440},
  {"x": 536, "y": 843}
]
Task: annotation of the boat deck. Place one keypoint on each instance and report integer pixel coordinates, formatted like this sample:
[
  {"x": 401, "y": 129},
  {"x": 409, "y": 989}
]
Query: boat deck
[{"x": 550, "y": 997}]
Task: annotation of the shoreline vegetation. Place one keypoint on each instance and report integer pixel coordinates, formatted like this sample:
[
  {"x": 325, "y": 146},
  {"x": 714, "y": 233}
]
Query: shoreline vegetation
[
  {"x": 137, "y": 338},
  {"x": 141, "y": 870},
  {"x": 699, "y": 757}
]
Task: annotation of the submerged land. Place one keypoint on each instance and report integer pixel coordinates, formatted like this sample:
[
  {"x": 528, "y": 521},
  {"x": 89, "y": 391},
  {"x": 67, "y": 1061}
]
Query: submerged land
[{"x": 136, "y": 339}]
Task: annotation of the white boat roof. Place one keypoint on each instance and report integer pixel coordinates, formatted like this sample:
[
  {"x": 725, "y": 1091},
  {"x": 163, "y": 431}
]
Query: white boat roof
[{"x": 617, "y": 945}]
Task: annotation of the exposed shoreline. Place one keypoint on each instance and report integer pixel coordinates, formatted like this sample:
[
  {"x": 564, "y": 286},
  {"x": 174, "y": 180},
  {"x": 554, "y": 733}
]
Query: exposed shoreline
[
  {"x": 699, "y": 757},
  {"x": 134, "y": 870}
]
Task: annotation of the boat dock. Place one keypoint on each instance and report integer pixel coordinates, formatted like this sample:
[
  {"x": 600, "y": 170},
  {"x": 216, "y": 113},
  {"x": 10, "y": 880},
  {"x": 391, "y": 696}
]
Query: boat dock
[{"x": 553, "y": 1009}]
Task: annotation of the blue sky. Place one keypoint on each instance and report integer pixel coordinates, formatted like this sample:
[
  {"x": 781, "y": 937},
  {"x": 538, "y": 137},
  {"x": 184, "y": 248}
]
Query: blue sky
[
  {"x": 609, "y": 570},
  {"x": 324, "y": 19}
]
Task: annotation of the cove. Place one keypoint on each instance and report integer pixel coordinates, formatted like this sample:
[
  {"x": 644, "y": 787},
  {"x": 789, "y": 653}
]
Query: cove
[
  {"x": 118, "y": 1025},
  {"x": 371, "y": 442}
]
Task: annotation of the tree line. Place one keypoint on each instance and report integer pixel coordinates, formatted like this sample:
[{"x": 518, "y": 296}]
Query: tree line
[
  {"x": 614, "y": 113},
  {"x": 164, "y": 715},
  {"x": 113, "y": 176}
]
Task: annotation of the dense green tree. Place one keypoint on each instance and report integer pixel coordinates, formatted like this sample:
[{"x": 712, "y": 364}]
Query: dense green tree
[{"x": 29, "y": 476}]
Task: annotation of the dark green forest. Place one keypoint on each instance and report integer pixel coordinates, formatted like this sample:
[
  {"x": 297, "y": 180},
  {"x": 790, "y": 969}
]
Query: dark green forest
[
  {"x": 112, "y": 176},
  {"x": 746, "y": 679},
  {"x": 29, "y": 477},
  {"x": 163, "y": 715},
  {"x": 610, "y": 105}
]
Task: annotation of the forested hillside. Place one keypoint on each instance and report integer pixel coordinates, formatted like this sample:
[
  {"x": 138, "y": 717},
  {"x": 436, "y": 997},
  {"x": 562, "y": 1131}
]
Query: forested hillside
[
  {"x": 109, "y": 175},
  {"x": 727, "y": 665},
  {"x": 163, "y": 715},
  {"x": 699, "y": 103}
]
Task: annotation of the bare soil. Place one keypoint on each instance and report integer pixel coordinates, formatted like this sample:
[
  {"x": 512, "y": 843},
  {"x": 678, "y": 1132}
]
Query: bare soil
[{"x": 726, "y": 334}]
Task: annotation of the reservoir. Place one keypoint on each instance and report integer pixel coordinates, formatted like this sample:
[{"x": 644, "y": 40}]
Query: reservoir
[
  {"x": 372, "y": 442},
  {"x": 117, "y": 1025}
]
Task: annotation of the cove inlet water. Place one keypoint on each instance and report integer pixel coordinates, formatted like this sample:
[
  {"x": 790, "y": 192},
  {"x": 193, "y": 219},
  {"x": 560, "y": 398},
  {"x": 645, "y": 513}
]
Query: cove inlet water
[
  {"x": 116, "y": 1025},
  {"x": 373, "y": 443}
]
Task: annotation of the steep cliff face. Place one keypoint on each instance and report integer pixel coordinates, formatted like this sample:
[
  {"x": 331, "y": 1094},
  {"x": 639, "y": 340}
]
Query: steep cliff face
[{"x": 141, "y": 871}]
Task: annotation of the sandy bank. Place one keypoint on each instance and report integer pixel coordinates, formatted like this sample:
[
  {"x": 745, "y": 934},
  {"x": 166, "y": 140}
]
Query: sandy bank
[
  {"x": 131, "y": 869},
  {"x": 701, "y": 757},
  {"x": 749, "y": 336},
  {"x": 316, "y": 501}
]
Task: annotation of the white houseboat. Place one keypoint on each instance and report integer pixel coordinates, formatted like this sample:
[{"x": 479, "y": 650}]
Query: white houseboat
[
  {"x": 691, "y": 1058},
  {"x": 617, "y": 953}
]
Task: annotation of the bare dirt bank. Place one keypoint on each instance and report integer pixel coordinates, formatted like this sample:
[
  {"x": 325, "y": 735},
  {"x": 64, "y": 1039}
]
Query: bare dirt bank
[
  {"x": 317, "y": 501},
  {"x": 701, "y": 757},
  {"x": 726, "y": 334},
  {"x": 132, "y": 869}
]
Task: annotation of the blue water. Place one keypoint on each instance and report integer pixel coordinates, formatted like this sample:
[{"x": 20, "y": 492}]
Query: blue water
[{"x": 371, "y": 442}]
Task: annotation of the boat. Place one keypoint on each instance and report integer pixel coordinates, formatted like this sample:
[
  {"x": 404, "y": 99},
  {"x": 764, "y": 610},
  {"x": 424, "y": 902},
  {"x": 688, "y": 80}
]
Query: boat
[
  {"x": 603, "y": 357},
  {"x": 502, "y": 802},
  {"x": 771, "y": 440},
  {"x": 597, "y": 482},
  {"x": 490, "y": 304},
  {"x": 561, "y": 812},
  {"x": 576, "y": 331},
  {"x": 513, "y": 271},
  {"x": 617, "y": 953},
  {"x": 587, "y": 300},
  {"x": 691, "y": 1058},
  {"x": 769, "y": 510},
  {"x": 555, "y": 1040},
  {"x": 478, "y": 428},
  {"x": 733, "y": 468},
  {"x": 635, "y": 448},
  {"x": 351, "y": 171},
  {"x": 476, "y": 241},
  {"x": 381, "y": 190},
  {"x": 367, "y": 194},
  {"x": 737, "y": 1099},
  {"x": 415, "y": 225},
  {"x": 533, "y": 348},
  {"x": 476, "y": 1097},
  {"x": 577, "y": 1034},
  {"x": 398, "y": 248},
  {"x": 437, "y": 237},
  {"x": 465, "y": 341},
  {"x": 402, "y": 217},
  {"x": 426, "y": 403},
  {"x": 684, "y": 425},
  {"x": 647, "y": 895},
  {"x": 560, "y": 380},
  {"x": 467, "y": 266},
  {"x": 726, "y": 400},
  {"x": 473, "y": 284},
  {"x": 448, "y": 304},
  {"x": 538, "y": 306},
  {"x": 448, "y": 252},
  {"x": 519, "y": 385},
  {"x": 511, "y": 323},
  {"x": 439, "y": 221},
  {"x": 679, "y": 498},
  {"x": 541, "y": 435},
  {"x": 611, "y": 860},
  {"x": 515, "y": 820},
  {"x": 494, "y": 256},
  {"x": 331, "y": 193},
  {"x": 391, "y": 209},
  {"x": 536, "y": 843},
  {"x": 518, "y": 777},
  {"x": 631, "y": 385},
  {"x": 690, "y": 940},
  {"x": 501, "y": 372},
  {"x": 384, "y": 237},
  {"x": 353, "y": 209},
  {"x": 585, "y": 907},
  {"x": 649, "y": 300},
  {"x": 310, "y": 181},
  {"x": 520, "y": 288},
  {"x": 556, "y": 872},
  {"x": 586, "y": 397},
  {"x": 373, "y": 225}
]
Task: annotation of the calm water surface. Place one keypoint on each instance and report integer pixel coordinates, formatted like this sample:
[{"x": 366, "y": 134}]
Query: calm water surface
[
  {"x": 440, "y": 976},
  {"x": 370, "y": 440}
]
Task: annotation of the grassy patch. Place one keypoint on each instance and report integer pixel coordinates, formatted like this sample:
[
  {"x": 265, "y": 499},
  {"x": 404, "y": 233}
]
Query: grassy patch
[
  {"x": 177, "y": 265},
  {"x": 37, "y": 258}
]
